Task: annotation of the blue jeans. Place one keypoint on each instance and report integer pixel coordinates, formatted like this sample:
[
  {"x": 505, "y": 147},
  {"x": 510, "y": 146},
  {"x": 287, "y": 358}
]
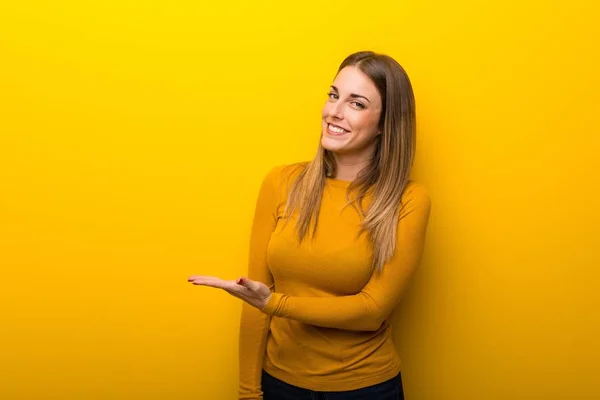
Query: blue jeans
[{"x": 275, "y": 389}]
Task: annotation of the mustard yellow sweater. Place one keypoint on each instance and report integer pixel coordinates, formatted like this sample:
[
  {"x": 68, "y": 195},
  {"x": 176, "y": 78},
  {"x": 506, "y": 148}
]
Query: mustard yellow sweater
[{"x": 325, "y": 327}]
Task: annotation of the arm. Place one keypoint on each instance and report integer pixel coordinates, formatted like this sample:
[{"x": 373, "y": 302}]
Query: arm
[
  {"x": 254, "y": 325},
  {"x": 366, "y": 310}
]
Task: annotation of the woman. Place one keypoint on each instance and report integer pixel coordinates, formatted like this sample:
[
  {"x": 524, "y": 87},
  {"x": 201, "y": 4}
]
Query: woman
[{"x": 334, "y": 243}]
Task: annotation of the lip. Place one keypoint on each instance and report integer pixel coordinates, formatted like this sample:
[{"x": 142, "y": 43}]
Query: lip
[{"x": 330, "y": 132}]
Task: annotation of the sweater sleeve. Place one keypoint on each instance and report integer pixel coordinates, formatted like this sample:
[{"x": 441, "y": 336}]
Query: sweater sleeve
[
  {"x": 367, "y": 310},
  {"x": 254, "y": 325}
]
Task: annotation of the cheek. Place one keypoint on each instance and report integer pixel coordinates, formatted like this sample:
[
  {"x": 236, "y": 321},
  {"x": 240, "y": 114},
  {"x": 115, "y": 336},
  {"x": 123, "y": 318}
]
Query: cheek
[
  {"x": 325, "y": 110},
  {"x": 363, "y": 121}
]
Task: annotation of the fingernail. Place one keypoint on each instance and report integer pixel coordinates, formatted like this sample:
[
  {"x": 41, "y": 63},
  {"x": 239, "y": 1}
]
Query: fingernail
[{"x": 240, "y": 281}]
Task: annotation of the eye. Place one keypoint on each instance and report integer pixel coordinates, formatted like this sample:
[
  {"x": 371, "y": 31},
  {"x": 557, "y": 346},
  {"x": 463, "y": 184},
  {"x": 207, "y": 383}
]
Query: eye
[
  {"x": 332, "y": 95},
  {"x": 359, "y": 105}
]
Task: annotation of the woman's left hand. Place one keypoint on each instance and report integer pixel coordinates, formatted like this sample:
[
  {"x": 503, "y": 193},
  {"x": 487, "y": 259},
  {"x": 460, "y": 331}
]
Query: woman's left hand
[{"x": 255, "y": 293}]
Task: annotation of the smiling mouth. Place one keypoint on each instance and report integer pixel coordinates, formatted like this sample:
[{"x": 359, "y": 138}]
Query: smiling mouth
[{"x": 336, "y": 130}]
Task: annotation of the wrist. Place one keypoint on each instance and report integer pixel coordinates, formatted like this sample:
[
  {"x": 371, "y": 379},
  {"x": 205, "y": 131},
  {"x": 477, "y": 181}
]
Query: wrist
[
  {"x": 273, "y": 303},
  {"x": 266, "y": 301}
]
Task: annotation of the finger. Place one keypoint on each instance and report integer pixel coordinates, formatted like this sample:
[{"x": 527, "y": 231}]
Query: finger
[
  {"x": 213, "y": 282},
  {"x": 245, "y": 282},
  {"x": 250, "y": 284},
  {"x": 242, "y": 280},
  {"x": 194, "y": 277}
]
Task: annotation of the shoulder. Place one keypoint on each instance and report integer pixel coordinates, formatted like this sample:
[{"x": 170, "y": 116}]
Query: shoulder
[
  {"x": 415, "y": 197},
  {"x": 416, "y": 191},
  {"x": 284, "y": 174}
]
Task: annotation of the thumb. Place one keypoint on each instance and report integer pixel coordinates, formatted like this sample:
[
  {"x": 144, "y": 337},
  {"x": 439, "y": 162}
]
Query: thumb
[
  {"x": 255, "y": 286},
  {"x": 243, "y": 281}
]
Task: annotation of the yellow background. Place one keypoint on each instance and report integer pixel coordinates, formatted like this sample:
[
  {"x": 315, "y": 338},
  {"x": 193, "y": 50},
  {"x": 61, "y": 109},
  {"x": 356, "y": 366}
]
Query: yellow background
[{"x": 134, "y": 135}]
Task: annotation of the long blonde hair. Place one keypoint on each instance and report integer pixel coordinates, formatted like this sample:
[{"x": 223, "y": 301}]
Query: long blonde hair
[{"x": 387, "y": 174}]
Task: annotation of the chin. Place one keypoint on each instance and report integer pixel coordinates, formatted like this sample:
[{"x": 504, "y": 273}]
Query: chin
[{"x": 332, "y": 145}]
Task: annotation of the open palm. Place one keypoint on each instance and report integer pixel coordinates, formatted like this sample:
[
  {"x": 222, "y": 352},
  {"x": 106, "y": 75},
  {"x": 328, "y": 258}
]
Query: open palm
[{"x": 255, "y": 293}]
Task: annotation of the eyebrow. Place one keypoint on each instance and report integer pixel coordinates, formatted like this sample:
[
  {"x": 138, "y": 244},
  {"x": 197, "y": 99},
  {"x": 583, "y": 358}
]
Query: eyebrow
[{"x": 353, "y": 95}]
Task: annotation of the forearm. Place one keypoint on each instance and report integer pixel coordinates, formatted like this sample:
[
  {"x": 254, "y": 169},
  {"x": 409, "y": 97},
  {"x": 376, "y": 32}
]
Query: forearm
[
  {"x": 357, "y": 312},
  {"x": 254, "y": 329}
]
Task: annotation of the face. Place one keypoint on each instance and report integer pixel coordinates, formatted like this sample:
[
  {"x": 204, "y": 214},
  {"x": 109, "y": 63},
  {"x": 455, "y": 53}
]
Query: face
[{"x": 351, "y": 114}]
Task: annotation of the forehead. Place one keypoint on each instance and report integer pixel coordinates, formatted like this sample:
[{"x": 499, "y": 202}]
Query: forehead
[{"x": 352, "y": 80}]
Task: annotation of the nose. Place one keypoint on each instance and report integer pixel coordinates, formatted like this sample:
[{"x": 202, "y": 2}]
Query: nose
[{"x": 336, "y": 110}]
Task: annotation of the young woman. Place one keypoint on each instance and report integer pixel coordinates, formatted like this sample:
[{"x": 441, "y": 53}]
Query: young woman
[{"x": 334, "y": 244}]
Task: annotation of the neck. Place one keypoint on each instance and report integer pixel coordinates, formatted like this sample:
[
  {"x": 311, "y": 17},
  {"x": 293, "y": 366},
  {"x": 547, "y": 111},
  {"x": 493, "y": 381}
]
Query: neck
[{"x": 348, "y": 166}]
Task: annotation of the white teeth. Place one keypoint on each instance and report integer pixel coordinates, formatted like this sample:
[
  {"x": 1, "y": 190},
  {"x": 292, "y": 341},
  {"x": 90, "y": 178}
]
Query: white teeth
[{"x": 336, "y": 129}]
